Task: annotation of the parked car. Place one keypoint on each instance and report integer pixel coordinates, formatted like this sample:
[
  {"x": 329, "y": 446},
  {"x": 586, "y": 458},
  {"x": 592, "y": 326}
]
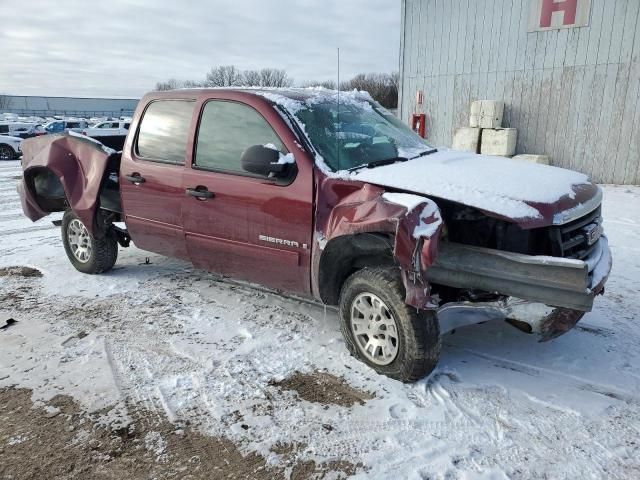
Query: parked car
[
  {"x": 111, "y": 133},
  {"x": 21, "y": 129},
  {"x": 61, "y": 126},
  {"x": 328, "y": 195},
  {"x": 10, "y": 147}
]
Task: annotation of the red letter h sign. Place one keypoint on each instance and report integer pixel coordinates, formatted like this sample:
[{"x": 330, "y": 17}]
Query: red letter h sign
[{"x": 568, "y": 7}]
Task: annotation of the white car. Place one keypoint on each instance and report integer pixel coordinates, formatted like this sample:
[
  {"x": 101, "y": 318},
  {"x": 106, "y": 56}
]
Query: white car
[
  {"x": 10, "y": 147},
  {"x": 110, "y": 128},
  {"x": 20, "y": 129}
]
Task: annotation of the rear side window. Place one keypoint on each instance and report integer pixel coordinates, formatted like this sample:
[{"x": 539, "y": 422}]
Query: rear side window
[
  {"x": 226, "y": 130},
  {"x": 73, "y": 125},
  {"x": 164, "y": 131},
  {"x": 4, "y": 128},
  {"x": 126, "y": 126}
]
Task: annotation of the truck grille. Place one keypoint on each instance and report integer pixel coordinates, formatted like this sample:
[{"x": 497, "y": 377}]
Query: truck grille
[{"x": 578, "y": 238}]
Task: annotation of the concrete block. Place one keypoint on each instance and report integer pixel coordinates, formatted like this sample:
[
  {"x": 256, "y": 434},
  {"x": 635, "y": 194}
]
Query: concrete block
[
  {"x": 474, "y": 116},
  {"x": 466, "y": 139},
  {"x": 500, "y": 142},
  {"x": 491, "y": 112},
  {"x": 541, "y": 159}
]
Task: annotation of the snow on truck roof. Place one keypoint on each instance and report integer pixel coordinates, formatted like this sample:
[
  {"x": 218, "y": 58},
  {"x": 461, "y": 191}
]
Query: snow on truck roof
[{"x": 289, "y": 97}]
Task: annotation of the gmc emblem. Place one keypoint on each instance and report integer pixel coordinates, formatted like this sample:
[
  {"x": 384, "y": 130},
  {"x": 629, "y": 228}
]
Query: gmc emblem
[{"x": 593, "y": 232}]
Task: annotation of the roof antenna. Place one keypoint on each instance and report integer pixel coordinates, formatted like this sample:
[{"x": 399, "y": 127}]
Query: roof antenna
[{"x": 339, "y": 124}]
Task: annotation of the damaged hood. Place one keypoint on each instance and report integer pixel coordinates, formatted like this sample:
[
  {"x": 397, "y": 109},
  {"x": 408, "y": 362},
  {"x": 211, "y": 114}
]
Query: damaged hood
[{"x": 530, "y": 194}]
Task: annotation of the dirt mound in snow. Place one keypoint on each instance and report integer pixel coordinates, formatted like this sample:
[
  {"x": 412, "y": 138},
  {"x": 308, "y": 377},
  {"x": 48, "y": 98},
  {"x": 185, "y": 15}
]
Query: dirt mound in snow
[
  {"x": 319, "y": 387},
  {"x": 59, "y": 440},
  {"x": 20, "y": 272}
]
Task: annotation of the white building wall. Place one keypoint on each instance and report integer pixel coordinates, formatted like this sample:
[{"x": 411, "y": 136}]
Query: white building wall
[
  {"x": 38, "y": 105},
  {"x": 572, "y": 93}
]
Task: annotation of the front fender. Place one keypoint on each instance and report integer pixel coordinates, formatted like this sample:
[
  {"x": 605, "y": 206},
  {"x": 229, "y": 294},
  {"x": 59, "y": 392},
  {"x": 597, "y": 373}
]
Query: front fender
[{"x": 413, "y": 221}]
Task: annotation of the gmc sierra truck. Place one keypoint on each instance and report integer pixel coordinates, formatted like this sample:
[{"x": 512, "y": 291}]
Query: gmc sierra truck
[{"x": 327, "y": 195}]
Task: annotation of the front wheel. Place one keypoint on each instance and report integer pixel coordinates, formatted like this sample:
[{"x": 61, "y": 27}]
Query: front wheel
[
  {"x": 384, "y": 332},
  {"x": 87, "y": 253},
  {"x": 7, "y": 153}
]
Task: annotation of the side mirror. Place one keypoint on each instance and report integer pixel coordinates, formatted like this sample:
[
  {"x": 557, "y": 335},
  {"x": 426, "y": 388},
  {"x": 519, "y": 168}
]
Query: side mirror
[{"x": 262, "y": 160}]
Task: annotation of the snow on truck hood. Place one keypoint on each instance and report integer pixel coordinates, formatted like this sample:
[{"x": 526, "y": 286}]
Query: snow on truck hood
[{"x": 498, "y": 185}]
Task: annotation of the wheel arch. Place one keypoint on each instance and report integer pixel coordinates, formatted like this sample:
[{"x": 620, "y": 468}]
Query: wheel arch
[
  {"x": 344, "y": 255},
  {"x": 46, "y": 189}
]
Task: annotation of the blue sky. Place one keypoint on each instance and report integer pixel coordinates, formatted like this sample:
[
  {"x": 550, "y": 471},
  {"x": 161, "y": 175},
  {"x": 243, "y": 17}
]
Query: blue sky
[{"x": 122, "y": 48}]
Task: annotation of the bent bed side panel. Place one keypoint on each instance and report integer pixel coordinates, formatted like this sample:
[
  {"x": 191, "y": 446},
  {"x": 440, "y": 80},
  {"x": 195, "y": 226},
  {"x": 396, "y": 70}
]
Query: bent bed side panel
[{"x": 79, "y": 164}]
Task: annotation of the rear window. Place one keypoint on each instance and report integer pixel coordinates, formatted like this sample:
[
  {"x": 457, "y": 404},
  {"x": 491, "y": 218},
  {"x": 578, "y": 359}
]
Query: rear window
[{"x": 164, "y": 131}]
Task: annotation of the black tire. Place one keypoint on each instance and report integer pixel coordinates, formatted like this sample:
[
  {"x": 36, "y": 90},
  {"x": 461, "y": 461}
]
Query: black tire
[
  {"x": 103, "y": 251},
  {"x": 7, "y": 153},
  {"x": 418, "y": 333}
]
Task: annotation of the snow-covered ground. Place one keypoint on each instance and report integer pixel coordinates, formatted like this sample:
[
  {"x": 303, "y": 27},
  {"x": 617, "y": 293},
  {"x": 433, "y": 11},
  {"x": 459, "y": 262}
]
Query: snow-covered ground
[{"x": 187, "y": 345}]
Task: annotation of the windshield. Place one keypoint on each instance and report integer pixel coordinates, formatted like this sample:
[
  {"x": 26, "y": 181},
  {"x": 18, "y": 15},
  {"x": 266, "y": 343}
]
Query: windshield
[{"x": 357, "y": 132}]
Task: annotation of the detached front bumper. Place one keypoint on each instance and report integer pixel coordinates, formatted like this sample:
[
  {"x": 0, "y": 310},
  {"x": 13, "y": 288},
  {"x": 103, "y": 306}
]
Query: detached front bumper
[{"x": 543, "y": 295}]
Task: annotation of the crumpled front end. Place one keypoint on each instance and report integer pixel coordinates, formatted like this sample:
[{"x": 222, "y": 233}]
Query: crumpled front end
[
  {"x": 546, "y": 296},
  {"x": 465, "y": 283},
  {"x": 411, "y": 223}
]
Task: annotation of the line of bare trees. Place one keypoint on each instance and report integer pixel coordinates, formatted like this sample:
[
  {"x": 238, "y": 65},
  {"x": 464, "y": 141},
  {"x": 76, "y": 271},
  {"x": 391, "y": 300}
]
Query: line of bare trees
[
  {"x": 232, "y": 76},
  {"x": 383, "y": 87}
]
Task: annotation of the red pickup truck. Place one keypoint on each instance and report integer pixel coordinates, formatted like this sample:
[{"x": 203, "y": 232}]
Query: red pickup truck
[{"x": 326, "y": 194}]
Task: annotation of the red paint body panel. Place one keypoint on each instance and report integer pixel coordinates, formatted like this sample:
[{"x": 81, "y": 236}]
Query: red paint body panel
[
  {"x": 223, "y": 233},
  {"x": 79, "y": 165},
  {"x": 582, "y": 194},
  {"x": 153, "y": 209},
  {"x": 347, "y": 208}
]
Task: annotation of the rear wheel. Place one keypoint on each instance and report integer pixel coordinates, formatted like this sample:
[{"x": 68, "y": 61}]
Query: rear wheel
[
  {"x": 87, "y": 253},
  {"x": 384, "y": 332},
  {"x": 7, "y": 153}
]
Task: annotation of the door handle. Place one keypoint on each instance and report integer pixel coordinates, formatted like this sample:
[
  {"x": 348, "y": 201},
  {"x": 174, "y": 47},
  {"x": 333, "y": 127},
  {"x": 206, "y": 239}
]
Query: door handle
[
  {"x": 135, "y": 178},
  {"x": 200, "y": 192}
]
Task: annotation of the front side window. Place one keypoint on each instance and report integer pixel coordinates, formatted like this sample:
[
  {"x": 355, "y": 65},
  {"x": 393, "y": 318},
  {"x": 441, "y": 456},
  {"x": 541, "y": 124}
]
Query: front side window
[
  {"x": 226, "y": 130},
  {"x": 164, "y": 131}
]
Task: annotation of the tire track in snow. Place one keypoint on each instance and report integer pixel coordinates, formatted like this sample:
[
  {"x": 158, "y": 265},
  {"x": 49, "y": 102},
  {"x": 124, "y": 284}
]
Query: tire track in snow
[
  {"x": 11, "y": 216},
  {"x": 536, "y": 371},
  {"x": 27, "y": 230}
]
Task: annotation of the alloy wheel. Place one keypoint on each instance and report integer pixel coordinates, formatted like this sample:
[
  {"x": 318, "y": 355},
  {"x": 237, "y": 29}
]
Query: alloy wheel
[
  {"x": 79, "y": 240},
  {"x": 374, "y": 329}
]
